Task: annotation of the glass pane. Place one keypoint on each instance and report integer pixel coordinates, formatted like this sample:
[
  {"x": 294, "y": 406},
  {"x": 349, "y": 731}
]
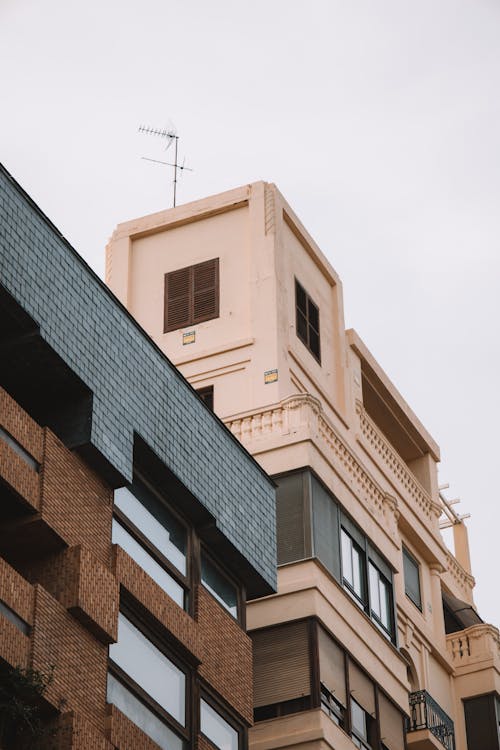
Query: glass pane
[
  {"x": 347, "y": 571},
  {"x": 313, "y": 315},
  {"x": 156, "y": 523},
  {"x": 143, "y": 717},
  {"x": 150, "y": 668},
  {"x": 219, "y": 586},
  {"x": 301, "y": 327},
  {"x": 314, "y": 342},
  {"x": 122, "y": 537},
  {"x": 358, "y": 718},
  {"x": 213, "y": 726},
  {"x": 357, "y": 569},
  {"x": 374, "y": 590},
  {"x": 301, "y": 298},
  {"x": 412, "y": 581},
  {"x": 385, "y": 603}
]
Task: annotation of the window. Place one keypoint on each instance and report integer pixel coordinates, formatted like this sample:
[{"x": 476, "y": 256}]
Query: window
[
  {"x": 191, "y": 295},
  {"x": 14, "y": 618},
  {"x": 307, "y": 320},
  {"x": 412, "y": 579},
  {"x": 147, "y": 686},
  {"x": 12, "y": 443},
  {"x": 381, "y": 609},
  {"x": 153, "y": 537},
  {"x": 299, "y": 666},
  {"x": 219, "y": 586},
  {"x": 207, "y": 396},
  {"x": 353, "y": 567},
  {"x": 219, "y": 731}
]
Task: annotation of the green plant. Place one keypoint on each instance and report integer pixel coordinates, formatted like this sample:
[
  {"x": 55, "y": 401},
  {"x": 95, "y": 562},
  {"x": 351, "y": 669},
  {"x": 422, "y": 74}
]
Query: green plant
[{"x": 21, "y": 718}]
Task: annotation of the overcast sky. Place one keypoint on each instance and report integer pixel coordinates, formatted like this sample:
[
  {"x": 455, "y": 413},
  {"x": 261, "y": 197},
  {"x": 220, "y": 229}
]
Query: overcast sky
[{"x": 379, "y": 120}]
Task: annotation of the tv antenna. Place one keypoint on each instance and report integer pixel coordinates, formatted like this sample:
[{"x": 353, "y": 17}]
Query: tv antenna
[{"x": 170, "y": 135}]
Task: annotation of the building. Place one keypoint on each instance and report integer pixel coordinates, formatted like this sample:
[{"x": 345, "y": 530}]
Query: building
[
  {"x": 133, "y": 525},
  {"x": 372, "y": 640}
]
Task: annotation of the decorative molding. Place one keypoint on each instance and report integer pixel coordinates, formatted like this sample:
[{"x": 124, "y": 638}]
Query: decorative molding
[
  {"x": 463, "y": 580},
  {"x": 478, "y": 643},
  {"x": 303, "y": 413},
  {"x": 399, "y": 470}
]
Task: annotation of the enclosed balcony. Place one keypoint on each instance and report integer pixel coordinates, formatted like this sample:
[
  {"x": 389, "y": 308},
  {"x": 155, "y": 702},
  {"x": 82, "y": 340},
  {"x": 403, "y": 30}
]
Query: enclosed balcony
[{"x": 429, "y": 727}]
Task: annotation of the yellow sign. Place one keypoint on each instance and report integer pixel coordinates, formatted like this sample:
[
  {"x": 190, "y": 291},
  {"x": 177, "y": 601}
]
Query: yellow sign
[
  {"x": 271, "y": 376},
  {"x": 188, "y": 338}
]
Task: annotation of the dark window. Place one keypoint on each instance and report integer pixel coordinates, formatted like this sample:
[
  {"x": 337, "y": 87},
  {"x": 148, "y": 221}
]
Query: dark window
[
  {"x": 307, "y": 320},
  {"x": 191, "y": 295},
  {"x": 12, "y": 443},
  {"x": 14, "y": 618},
  {"x": 153, "y": 537},
  {"x": 412, "y": 579},
  {"x": 482, "y": 722},
  {"x": 207, "y": 396},
  {"x": 219, "y": 585},
  {"x": 148, "y": 686}
]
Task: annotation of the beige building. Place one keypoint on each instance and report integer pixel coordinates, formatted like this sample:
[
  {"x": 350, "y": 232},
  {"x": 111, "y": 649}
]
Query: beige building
[{"x": 372, "y": 640}]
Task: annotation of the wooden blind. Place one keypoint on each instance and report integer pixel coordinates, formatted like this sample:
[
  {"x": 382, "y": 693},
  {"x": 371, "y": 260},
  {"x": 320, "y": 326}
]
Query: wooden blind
[
  {"x": 290, "y": 513},
  {"x": 205, "y": 290},
  {"x": 191, "y": 295},
  {"x": 391, "y": 724},
  {"x": 361, "y": 688},
  {"x": 281, "y": 664},
  {"x": 331, "y": 666}
]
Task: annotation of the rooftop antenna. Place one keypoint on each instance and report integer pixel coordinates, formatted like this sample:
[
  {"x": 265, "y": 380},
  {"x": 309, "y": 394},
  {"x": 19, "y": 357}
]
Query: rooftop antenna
[{"x": 171, "y": 136}]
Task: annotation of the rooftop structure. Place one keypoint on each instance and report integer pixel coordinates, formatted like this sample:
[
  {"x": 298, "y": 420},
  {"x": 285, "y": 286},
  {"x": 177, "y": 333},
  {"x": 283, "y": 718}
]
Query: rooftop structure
[{"x": 372, "y": 640}]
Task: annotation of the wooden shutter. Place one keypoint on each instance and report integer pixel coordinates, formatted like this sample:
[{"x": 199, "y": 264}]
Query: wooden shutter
[
  {"x": 205, "y": 290},
  {"x": 332, "y": 666},
  {"x": 290, "y": 518},
  {"x": 281, "y": 664},
  {"x": 391, "y": 724},
  {"x": 361, "y": 688},
  {"x": 177, "y": 299}
]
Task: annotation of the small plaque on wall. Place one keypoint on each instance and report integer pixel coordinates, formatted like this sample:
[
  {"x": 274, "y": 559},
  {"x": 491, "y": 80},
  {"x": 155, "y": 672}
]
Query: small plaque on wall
[
  {"x": 188, "y": 338},
  {"x": 271, "y": 376}
]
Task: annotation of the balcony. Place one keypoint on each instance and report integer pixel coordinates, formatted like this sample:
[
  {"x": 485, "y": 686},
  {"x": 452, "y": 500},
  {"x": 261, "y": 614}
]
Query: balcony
[{"x": 429, "y": 727}]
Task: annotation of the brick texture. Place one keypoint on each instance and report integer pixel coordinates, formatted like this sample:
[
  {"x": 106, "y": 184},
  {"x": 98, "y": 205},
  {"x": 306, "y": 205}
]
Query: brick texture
[
  {"x": 14, "y": 645},
  {"x": 74, "y": 501},
  {"x": 125, "y": 735},
  {"x": 227, "y": 655},
  {"x": 78, "y": 660},
  {"x": 150, "y": 595},
  {"x": 20, "y": 477},
  {"x": 16, "y": 592},
  {"x": 21, "y": 426}
]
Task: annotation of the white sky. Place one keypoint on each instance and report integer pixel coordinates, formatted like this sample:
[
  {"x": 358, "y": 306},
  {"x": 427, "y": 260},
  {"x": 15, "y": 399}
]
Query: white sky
[{"x": 379, "y": 120}]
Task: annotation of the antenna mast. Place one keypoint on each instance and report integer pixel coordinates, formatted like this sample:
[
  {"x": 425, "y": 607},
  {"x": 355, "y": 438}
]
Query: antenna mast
[{"x": 171, "y": 137}]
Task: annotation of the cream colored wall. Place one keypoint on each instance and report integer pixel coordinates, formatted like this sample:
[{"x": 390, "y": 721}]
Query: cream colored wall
[{"x": 262, "y": 247}]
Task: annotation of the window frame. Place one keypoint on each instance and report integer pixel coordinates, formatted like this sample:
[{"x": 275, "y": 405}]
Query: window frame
[
  {"x": 240, "y": 589},
  {"x": 307, "y": 339},
  {"x": 192, "y": 319},
  {"x": 413, "y": 561},
  {"x": 318, "y": 690},
  {"x": 149, "y": 633},
  {"x": 185, "y": 581},
  {"x": 205, "y": 694}
]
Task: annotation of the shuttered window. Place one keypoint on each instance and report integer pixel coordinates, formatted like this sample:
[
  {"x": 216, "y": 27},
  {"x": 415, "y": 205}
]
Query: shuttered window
[
  {"x": 332, "y": 666},
  {"x": 361, "y": 688},
  {"x": 281, "y": 664},
  {"x": 191, "y": 295},
  {"x": 391, "y": 724}
]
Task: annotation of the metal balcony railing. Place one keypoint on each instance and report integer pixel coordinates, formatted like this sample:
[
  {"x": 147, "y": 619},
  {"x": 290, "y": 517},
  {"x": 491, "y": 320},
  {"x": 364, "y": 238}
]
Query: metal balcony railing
[{"x": 425, "y": 713}]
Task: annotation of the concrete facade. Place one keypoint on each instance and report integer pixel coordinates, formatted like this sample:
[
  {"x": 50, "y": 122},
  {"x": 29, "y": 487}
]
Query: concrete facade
[
  {"x": 333, "y": 414},
  {"x": 88, "y": 404}
]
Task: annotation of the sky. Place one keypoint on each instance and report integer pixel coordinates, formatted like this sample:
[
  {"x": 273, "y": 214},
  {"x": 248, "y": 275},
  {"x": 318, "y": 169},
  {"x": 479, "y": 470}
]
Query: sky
[{"x": 379, "y": 121}]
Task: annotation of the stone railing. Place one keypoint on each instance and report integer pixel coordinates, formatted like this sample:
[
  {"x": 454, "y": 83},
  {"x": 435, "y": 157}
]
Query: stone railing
[
  {"x": 459, "y": 577},
  {"x": 479, "y": 643},
  {"x": 302, "y": 417},
  {"x": 405, "y": 478}
]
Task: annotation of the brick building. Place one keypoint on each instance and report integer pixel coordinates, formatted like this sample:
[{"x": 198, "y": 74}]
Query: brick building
[
  {"x": 372, "y": 640},
  {"x": 133, "y": 525}
]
